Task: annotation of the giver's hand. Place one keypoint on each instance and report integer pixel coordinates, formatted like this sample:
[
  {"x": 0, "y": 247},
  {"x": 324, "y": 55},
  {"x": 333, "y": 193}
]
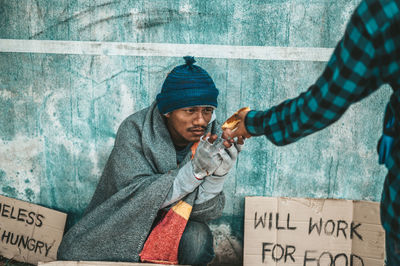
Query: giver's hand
[
  {"x": 229, "y": 156},
  {"x": 240, "y": 128},
  {"x": 206, "y": 160}
]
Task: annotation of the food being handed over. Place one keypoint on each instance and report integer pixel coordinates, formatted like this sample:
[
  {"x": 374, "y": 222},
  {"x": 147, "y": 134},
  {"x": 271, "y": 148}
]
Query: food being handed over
[{"x": 233, "y": 121}]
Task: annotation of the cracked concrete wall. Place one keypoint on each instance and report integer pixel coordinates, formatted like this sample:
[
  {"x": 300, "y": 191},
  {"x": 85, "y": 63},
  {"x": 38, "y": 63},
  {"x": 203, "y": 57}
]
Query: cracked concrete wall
[{"x": 59, "y": 112}]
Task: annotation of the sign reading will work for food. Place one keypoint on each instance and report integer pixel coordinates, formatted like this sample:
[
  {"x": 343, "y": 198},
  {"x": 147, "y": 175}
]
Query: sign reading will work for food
[{"x": 308, "y": 232}]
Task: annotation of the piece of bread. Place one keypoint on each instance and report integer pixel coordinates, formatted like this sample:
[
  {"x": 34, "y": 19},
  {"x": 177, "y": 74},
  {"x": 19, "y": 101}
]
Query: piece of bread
[{"x": 234, "y": 120}]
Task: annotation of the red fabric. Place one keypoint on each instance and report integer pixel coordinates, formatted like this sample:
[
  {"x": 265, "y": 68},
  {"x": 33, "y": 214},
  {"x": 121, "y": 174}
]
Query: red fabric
[{"x": 162, "y": 244}]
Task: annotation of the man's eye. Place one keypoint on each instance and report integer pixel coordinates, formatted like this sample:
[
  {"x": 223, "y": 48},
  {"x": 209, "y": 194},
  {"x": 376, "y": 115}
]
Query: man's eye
[
  {"x": 208, "y": 111},
  {"x": 190, "y": 111}
]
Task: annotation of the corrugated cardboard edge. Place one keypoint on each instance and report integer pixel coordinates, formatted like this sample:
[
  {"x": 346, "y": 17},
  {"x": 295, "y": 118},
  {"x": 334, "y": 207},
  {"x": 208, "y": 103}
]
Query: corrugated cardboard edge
[{"x": 97, "y": 263}]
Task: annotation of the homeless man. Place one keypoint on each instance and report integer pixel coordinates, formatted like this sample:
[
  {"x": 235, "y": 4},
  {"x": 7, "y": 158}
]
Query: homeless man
[
  {"x": 367, "y": 57},
  {"x": 151, "y": 167}
]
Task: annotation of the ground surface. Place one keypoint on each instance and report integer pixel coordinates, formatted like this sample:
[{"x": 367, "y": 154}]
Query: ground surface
[{"x": 10, "y": 262}]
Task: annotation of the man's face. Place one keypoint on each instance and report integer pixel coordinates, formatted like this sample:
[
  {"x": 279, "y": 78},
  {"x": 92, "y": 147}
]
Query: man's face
[{"x": 188, "y": 124}]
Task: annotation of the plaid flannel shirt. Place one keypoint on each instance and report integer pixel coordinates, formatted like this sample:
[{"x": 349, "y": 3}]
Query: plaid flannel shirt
[{"x": 366, "y": 57}]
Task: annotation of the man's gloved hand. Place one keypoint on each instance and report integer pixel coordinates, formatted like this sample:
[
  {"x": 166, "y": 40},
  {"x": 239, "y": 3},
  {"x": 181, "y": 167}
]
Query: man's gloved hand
[
  {"x": 213, "y": 184},
  {"x": 229, "y": 156},
  {"x": 229, "y": 150},
  {"x": 206, "y": 160}
]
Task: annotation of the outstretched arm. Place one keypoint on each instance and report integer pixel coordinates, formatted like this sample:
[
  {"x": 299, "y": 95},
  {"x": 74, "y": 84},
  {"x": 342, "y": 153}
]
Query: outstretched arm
[{"x": 351, "y": 74}]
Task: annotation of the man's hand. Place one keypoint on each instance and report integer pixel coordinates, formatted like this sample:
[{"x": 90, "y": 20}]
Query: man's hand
[
  {"x": 213, "y": 184},
  {"x": 239, "y": 131},
  {"x": 206, "y": 160},
  {"x": 229, "y": 156}
]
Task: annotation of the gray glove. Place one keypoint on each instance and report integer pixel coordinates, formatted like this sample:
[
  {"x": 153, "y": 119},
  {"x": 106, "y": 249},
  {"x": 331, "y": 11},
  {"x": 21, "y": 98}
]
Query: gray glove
[
  {"x": 206, "y": 160},
  {"x": 213, "y": 184},
  {"x": 229, "y": 156},
  {"x": 210, "y": 188}
]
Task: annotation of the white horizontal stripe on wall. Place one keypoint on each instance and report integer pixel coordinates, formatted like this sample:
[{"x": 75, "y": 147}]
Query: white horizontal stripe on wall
[{"x": 166, "y": 49}]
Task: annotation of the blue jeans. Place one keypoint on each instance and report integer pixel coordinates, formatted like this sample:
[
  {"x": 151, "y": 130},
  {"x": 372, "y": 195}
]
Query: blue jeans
[
  {"x": 196, "y": 245},
  {"x": 392, "y": 251}
]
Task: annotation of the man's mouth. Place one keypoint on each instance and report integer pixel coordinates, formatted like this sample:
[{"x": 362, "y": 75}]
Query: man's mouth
[{"x": 197, "y": 131}]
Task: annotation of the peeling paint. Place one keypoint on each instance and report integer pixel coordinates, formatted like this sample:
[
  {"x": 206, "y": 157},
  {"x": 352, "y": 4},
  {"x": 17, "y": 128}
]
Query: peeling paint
[
  {"x": 29, "y": 194},
  {"x": 6, "y": 95},
  {"x": 18, "y": 158},
  {"x": 2, "y": 174},
  {"x": 10, "y": 191}
]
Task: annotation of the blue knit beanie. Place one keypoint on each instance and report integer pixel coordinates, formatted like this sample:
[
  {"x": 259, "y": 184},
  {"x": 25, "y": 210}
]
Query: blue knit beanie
[{"x": 187, "y": 85}]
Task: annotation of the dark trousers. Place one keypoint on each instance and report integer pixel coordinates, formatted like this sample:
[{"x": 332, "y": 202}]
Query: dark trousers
[
  {"x": 392, "y": 244},
  {"x": 392, "y": 251},
  {"x": 196, "y": 245}
]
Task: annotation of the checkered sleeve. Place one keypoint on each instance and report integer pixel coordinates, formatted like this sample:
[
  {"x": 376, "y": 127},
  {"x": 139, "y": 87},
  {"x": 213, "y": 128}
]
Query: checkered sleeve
[{"x": 350, "y": 75}]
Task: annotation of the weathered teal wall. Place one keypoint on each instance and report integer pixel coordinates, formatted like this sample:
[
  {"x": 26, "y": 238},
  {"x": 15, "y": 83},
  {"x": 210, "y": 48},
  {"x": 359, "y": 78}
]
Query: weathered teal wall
[{"x": 59, "y": 112}]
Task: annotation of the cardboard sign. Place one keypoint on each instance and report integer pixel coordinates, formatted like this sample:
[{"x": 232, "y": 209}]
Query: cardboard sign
[
  {"x": 311, "y": 232},
  {"x": 28, "y": 232}
]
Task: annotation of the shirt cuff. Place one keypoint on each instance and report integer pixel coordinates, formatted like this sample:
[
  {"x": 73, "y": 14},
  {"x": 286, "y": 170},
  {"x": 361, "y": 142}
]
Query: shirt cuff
[{"x": 254, "y": 122}]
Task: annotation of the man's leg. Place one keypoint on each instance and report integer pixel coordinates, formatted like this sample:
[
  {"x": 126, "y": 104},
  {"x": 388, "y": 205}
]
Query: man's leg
[
  {"x": 392, "y": 251},
  {"x": 196, "y": 245}
]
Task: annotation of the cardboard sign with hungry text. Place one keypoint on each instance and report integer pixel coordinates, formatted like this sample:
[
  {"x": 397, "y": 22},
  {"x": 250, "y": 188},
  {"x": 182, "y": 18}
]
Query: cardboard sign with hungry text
[
  {"x": 28, "y": 232},
  {"x": 311, "y": 232}
]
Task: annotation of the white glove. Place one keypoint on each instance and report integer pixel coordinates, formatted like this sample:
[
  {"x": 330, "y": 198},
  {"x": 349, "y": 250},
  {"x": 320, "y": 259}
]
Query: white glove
[
  {"x": 206, "y": 160},
  {"x": 229, "y": 156}
]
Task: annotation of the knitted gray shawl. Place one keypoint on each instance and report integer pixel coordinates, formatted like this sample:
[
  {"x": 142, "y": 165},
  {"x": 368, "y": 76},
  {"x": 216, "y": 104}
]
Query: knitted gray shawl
[{"x": 135, "y": 182}]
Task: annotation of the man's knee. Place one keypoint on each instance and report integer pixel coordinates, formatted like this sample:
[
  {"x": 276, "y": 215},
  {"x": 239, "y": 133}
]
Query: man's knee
[{"x": 196, "y": 245}]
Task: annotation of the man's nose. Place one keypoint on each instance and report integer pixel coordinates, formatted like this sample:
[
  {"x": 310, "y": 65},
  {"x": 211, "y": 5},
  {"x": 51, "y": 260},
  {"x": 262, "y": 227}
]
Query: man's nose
[{"x": 200, "y": 119}]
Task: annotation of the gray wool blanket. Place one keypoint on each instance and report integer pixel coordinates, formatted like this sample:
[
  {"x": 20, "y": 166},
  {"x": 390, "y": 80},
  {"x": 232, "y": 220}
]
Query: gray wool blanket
[{"x": 135, "y": 182}]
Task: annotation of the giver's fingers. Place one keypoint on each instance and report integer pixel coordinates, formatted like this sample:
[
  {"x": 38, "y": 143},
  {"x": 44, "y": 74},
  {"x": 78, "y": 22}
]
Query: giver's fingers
[
  {"x": 227, "y": 134},
  {"x": 230, "y": 134},
  {"x": 240, "y": 131},
  {"x": 227, "y": 139}
]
